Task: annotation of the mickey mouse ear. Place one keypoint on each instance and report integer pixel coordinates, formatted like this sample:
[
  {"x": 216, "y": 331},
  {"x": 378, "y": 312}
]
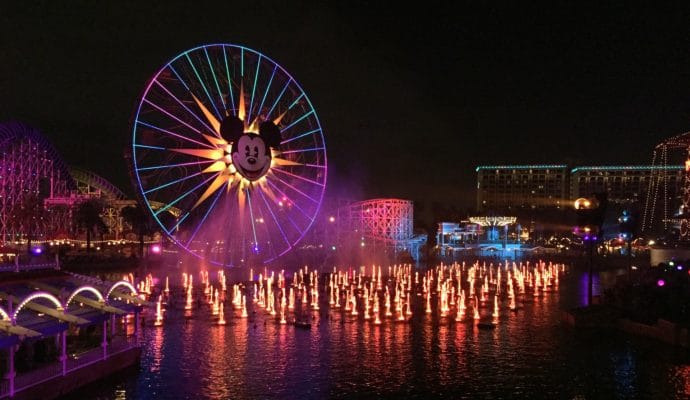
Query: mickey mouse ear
[
  {"x": 270, "y": 133},
  {"x": 231, "y": 128}
]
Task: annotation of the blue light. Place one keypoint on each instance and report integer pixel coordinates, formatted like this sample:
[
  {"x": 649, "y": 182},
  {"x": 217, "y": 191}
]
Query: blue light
[
  {"x": 556, "y": 166},
  {"x": 627, "y": 168}
]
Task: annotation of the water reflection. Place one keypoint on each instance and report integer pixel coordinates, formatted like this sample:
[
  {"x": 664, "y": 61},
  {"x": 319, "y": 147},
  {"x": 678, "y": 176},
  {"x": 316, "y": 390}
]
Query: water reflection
[{"x": 528, "y": 354}]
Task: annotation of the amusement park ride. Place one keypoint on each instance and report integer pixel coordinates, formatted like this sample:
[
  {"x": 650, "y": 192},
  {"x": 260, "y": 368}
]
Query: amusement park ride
[
  {"x": 226, "y": 136},
  {"x": 660, "y": 201}
]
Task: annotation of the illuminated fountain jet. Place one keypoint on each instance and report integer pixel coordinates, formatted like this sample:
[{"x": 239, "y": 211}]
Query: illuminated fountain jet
[
  {"x": 476, "y": 308},
  {"x": 244, "y": 306},
  {"x": 159, "y": 313},
  {"x": 221, "y": 315}
]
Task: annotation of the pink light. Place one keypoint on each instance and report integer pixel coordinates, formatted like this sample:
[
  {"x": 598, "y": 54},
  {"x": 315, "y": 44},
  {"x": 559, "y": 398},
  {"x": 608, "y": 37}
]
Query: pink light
[
  {"x": 660, "y": 282},
  {"x": 156, "y": 249}
]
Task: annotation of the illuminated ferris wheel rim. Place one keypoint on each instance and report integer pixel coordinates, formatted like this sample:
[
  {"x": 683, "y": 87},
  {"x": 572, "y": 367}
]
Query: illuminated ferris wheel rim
[{"x": 290, "y": 83}]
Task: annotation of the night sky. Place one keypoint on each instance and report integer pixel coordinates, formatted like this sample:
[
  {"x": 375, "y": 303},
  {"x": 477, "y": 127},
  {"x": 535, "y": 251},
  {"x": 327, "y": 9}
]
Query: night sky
[{"x": 411, "y": 100}]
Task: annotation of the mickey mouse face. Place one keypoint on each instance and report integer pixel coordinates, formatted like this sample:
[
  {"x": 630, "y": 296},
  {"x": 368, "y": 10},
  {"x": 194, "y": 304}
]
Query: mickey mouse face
[
  {"x": 251, "y": 153},
  {"x": 251, "y": 156}
]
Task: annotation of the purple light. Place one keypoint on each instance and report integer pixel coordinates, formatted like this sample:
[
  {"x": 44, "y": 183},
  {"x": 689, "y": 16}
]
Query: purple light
[
  {"x": 156, "y": 249},
  {"x": 37, "y": 251},
  {"x": 679, "y": 268},
  {"x": 586, "y": 237},
  {"x": 660, "y": 282}
]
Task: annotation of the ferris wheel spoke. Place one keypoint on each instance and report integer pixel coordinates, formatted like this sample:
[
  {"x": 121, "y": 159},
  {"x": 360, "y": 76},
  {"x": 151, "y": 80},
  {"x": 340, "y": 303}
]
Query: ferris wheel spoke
[
  {"x": 184, "y": 178},
  {"x": 215, "y": 79},
  {"x": 301, "y": 135},
  {"x": 315, "y": 166},
  {"x": 179, "y": 78},
  {"x": 187, "y": 193},
  {"x": 256, "y": 78},
  {"x": 302, "y": 150},
  {"x": 293, "y": 123},
  {"x": 171, "y": 116},
  {"x": 192, "y": 113},
  {"x": 203, "y": 86},
  {"x": 220, "y": 180},
  {"x": 179, "y": 221},
  {"x": 268, "y": 87},
  {"x": 269, "y": 190},
  {"x": 174, "y": 165},
  {"x": 306, "y": 196},
  {"x": 289, "y": 199},
  {"x": 275, "y": 103},
  {"x": 298, "y": 177},
  {"x": 143, "y": 146},
  {"x": 208, "y": 211},
  {"x": 275, "y": 220},
  {"x": 177, "y": 135},
  {"x": 294, "y": 102},
  {"x": 227, "y": 74}
]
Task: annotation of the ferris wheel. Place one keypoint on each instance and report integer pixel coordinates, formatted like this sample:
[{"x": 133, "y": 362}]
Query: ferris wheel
[{"x": 226, "y": 138}]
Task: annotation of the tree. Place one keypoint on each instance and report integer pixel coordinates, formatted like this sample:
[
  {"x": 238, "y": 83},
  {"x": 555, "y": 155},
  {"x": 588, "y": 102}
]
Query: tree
[
  {"x": 88, "y": 217},
  {"x": 140, "y": 222},
  {"x": 28, "y": 216}
]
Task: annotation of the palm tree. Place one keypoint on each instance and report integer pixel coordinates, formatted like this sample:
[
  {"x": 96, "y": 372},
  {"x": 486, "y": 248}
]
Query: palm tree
[
  {"x": 88, "y": 217},
  {"x": 140, "y": 222}
]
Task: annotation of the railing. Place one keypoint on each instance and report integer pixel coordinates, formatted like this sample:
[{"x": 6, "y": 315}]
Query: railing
[
  {"x": 4, "y": 387},
  {"x": 120, "y": 344},
  {"x": 83, "y": 359},
  {"x": 27, "y": 267},
  {"x": 36, "y": 376},
  {"x": 54, "y": 370}
]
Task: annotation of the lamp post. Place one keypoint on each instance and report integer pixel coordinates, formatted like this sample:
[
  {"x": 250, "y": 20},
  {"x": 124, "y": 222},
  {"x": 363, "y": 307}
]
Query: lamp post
[
  {"x": 590, "y": 241},
  {"x": 588, "y": 229},
  {"x": 627, "y": 226}
]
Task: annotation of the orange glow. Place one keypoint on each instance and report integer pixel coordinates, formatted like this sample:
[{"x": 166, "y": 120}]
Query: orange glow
[
  {"x": 215, "y": 124},
  {"x": 241, "y": 111}
]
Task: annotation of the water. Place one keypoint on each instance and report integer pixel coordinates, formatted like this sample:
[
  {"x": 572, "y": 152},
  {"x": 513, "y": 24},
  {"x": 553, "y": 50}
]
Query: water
[{"x": 529, "y": 355}]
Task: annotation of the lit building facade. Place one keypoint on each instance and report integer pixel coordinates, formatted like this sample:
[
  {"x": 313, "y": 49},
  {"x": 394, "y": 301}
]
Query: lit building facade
[
  {"x": 521, "y": 186},
  {"x": 623, "y": 183},
  {"x": 539, "y": 186}
]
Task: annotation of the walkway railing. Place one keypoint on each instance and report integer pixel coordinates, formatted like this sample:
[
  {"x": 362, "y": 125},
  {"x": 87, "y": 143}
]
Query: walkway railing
[
  {"x": 37, "y": 376},
  {"x": 27, "y": 267},
  {"x": 54, "y": 370}
]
